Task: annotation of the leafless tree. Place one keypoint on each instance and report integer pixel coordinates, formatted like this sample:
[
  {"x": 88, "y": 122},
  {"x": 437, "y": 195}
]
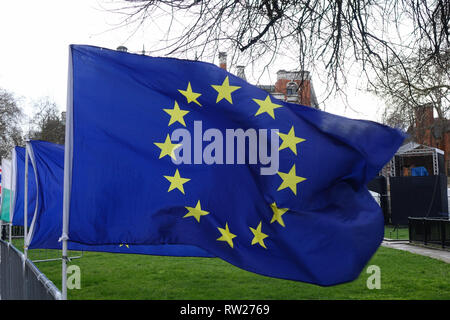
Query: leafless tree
[
  {"x": 327, "y": 37},
  {"x": 10, "y": 120},
  {"x": 47, "y": 123},
  {"x": 418, "y": 78},
  {"x": 428, "y": 85}
]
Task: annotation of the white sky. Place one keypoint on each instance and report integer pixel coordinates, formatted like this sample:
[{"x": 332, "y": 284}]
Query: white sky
[{"x": 34, "y": 41}]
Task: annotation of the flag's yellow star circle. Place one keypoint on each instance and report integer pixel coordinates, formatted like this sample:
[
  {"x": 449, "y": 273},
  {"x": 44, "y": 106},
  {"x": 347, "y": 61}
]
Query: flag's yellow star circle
[
  {"x": 290, "y": 140},
  {"x": 259, "y": 236},
  {"x": 176, "y": 181},
  {"x": 167, "y": 147},
  {"x": 278, "y": 214},
  {"x": 225, "y": 90},
  {"x": 121, "y": 245},
  {"x": 196, "y": 212},
  {"x": 176, "y": 114},
  {"x": 266, "y": 106},
  {"x": 190, "y": 95},
  {"x": 226, "y": 235},
  {"x": 290, "y": 180}
]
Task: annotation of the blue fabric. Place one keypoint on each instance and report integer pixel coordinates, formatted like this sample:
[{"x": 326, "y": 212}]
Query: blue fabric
[
  {"x": 20, "y": 189},
  {"x": 49, "y": 159},
  {"x": 419, "y": 172},
  {"x": 119, "y": 193}
]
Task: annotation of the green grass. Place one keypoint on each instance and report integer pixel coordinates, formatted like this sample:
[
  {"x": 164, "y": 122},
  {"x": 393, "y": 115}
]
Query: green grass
[
  {"x": 42, "y": 254},
  {"x": 120, "y": 276},
  {"x": 401, "y": 233}
]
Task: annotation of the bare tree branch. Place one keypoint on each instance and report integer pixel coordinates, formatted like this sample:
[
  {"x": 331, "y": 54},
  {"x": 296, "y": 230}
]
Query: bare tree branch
[{"x": 317, "y": 34}]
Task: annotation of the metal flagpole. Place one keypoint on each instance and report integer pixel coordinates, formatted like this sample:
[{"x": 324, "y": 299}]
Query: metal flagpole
[
  {"x": 25, "y": 225},
  {"x": 10, "y": 199},
  {"x": 25, "y": 207},
  {"x": 67, "y": 176},
  {"x": 2, "y": 197}
]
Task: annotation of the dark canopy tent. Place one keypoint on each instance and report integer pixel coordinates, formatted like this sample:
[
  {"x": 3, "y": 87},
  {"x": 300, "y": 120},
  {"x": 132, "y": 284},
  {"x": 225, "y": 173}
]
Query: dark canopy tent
[
  {"x": 420, "y": 156},
  {"x": 417, "y": 196}
]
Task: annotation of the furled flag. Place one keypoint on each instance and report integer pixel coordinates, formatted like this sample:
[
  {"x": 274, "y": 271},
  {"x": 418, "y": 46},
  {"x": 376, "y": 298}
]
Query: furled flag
[
  {"x": 47, "y": 160},
  {"x": 18, "y": 181},
  {"x": 7, "y": 192},
  {"x": 168, "y": 151}
]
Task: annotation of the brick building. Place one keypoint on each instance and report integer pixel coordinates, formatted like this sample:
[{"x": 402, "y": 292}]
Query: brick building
[
  {"x": 291, "y": 86},
  {"x": 431, "y": 131}
]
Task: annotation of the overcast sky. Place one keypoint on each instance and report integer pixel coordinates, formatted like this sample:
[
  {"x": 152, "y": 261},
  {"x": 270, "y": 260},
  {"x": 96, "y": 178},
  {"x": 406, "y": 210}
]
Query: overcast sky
[{"x": 34, "y": 41}]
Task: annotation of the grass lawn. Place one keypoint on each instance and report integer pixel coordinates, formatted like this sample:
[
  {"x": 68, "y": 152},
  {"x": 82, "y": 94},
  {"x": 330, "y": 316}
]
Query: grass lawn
[
  {"x": 121, "y": 276},
  {"x": 401, "y": 233}
]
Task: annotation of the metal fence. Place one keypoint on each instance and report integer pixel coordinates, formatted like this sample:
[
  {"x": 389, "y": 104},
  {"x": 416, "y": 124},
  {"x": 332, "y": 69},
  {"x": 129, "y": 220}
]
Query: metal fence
[
  {"x": 36, "y": 255},
  {"x": 6, "y": 229},
  {"x": 430, "y": 231},
  {"x": 16, "y": 232},
  {"x": 20, "y": 279}
]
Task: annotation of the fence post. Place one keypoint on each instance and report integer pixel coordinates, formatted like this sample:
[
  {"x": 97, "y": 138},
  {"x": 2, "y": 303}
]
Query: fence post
[
  {"x": 425, "y": 232},
  {"x": 10, "y": 272},
  {"x": 442, "y": 233},
  {"x": 409, "y": 229}
]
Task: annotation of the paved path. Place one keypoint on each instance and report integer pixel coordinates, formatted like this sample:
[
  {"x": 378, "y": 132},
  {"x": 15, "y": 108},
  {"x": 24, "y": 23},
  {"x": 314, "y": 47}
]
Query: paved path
[{"x": 429, "y": 252}]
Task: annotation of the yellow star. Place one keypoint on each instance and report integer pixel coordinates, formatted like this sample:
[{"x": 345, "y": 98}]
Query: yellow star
[
  {"x": 196, "y": 212},
  {"x": 225, "y": 90},
  {"x": 259, "y": 236},
  {"x": 277, "y": 214},
  {"x": 190, "y": 95},
  {"x": 121, "y": 245},
  {"x": 167, "y": 148},
  {"x": 290, "y": 180},
  {"x": 266, "y": 106},
  {"x": 176, "y": 182},
  {"x": 226, "y": 235},
  {"x": 290, "y": 140},
  {"x": 176, "y": 114}
]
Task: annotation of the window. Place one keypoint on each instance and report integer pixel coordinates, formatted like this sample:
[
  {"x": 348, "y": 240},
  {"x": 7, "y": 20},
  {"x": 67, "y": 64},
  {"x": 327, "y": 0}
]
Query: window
[{"x": 291, "y": 88}]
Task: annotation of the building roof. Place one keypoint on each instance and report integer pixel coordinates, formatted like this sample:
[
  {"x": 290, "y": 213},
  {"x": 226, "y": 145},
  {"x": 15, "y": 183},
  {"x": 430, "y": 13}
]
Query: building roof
[{"x": 414, "y": 148}]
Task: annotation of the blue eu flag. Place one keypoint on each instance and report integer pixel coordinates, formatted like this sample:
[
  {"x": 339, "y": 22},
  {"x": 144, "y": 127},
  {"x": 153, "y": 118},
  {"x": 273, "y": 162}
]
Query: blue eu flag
[
  {"x": 168, "y": 151},
  {"x": 45, "y": 227},
  {"x": 19, "y": 195}
]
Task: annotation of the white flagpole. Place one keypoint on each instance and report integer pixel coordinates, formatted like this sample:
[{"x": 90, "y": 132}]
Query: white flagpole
[
  {"x": 25, "y": 207},
  {"x": 25, "y": 225},
  {"x": 30, "y": 228},
  {"x": 1, "y": 203},
  {"x": 67, "y": 176},
  {"x": 10, "y": 199}
]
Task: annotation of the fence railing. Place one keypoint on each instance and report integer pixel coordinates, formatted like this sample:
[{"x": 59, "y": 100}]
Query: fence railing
[
  {"x": 430, "y": 231},
  {"x": 35, "y": 255},
  {"x": 20, "y": 279}
]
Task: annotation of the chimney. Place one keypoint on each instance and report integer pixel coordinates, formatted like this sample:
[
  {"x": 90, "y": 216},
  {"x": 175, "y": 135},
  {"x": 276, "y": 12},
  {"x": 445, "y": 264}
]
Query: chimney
[
  {"x": 424, "y": 116},
  {"x": 223, "y": 60},
  {"x": 241, "y": 72}
]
